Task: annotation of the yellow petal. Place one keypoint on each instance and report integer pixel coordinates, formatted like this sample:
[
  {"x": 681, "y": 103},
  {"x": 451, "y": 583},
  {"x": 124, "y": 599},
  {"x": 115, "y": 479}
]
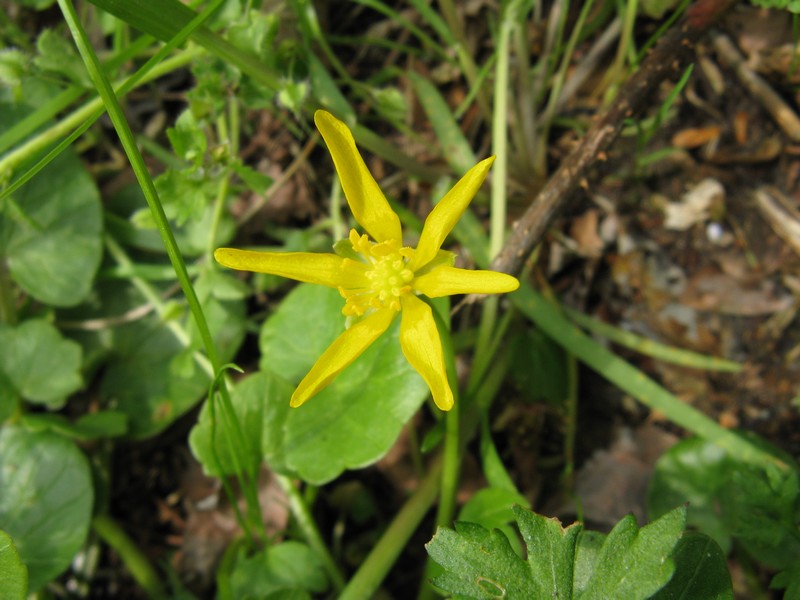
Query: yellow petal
[
  {"x": 365, "y": 198},
  {"x": 446, "y": 214},
  {"x": 422, "y": 346},
  {"x": 341, "y": 354},
  {"x": 324, "y": 269},
  {"x": 446, "y": 281}
]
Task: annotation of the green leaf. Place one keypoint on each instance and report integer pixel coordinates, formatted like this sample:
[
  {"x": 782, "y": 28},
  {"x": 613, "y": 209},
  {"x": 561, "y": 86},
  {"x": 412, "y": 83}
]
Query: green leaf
[
  {"x": 280, "y": 571},
  {"x": 635, "y": 563},
  {"x": 587, "y": 552},
  {"x": 13, "y": 65},
  {"x": 551, "y": 549},
  {"x": 480, "y": 564},
  {"x": 539, "y": 367},
  {"x": 701, "y": 571},
  {"x": 257, "y": 182},
  {"x": 13, "y": 573},
  {"x": 187, "y": 138},
  {"x": 355, "y": 420},
  {"x": 46, "y": 500},
  {"x": 692, "y": 472},
  {"x": 261, "y": 403},
  {"x": 760, "y": 509},
  {"x": 491, "y": 507},
  {"x": 150, "y": 374},
  {"x": 788, "y": 580},
  {"x": 327, "y": 92},
  {"x": 162, "y": 20},
  {"x": 92, "y": 426},
  {"x": 455, "y": 147},
  {"x": 493, "y": 468},
  {"x": 37, "y": 4},
  {"x": 729, "y": 497},
  {"x": 54, "y": 251},
  {"x": 40, "y": 365},
  {"x": 307, "y": 321},
  {"x": 58, "y": 56}
]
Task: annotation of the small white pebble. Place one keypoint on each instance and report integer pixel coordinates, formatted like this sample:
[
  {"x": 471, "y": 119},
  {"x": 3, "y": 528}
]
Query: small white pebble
[{"x": 714, "y": 232}]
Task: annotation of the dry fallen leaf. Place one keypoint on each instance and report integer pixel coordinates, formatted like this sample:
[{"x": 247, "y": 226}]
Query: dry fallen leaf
[
  {"x": 584, "y": 231},
  {"x": 694, "y": 137},
  {"x": 694, "y": 207}
]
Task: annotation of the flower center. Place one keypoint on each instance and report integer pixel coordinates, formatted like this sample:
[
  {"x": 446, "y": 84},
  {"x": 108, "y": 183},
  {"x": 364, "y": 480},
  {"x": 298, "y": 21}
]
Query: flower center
[{"x": 389, "y": 277}]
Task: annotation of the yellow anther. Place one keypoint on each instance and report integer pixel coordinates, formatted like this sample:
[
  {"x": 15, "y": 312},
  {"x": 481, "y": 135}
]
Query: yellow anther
[{"x": 387, "y": 275}]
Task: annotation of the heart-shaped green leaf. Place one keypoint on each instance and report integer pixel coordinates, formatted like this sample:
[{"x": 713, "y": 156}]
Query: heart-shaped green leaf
[
  {"x": 355, "y": 420},
  {"x": 280, "y": 570},
  {"x": 46, "y": 499},
  {"x": 38, "y": 364},
  {"x": 150, "y": 374},
  {"x": 53, "y": 246}
]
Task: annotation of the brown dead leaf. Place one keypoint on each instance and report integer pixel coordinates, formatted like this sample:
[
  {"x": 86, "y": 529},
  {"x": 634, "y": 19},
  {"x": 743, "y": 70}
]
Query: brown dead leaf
[
  {"x": 614, "y": 482},
  {"x": 695, "y": 205},
  {"x": 740, "y": 123},
  {"x": 584, "y": 231},
  {"x": 695, "y": 137},
  {"x": 719, "y": 292}
]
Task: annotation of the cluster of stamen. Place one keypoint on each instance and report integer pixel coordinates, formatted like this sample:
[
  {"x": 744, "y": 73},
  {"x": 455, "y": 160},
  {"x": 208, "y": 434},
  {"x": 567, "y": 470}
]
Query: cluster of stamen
[{"x": 389, "y": 277}]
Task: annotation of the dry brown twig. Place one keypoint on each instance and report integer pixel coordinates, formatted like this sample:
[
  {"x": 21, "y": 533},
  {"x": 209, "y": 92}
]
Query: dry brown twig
[
  {"x": 780, "y": 111},
  {"x": 669, "y": 56}
]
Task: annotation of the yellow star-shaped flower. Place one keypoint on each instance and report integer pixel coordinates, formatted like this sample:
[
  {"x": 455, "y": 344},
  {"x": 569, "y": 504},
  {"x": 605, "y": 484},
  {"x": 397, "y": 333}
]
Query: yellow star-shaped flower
[{"x": 381, "y": 278}]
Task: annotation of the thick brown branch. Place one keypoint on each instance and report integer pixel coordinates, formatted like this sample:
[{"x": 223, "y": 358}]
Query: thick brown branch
[{"x": 670, "y": 55}]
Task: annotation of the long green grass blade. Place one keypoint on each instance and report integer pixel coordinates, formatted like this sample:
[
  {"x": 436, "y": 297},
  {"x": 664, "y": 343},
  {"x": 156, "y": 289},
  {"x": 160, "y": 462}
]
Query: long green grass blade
[
  {"x": 455, "y": 147},
  {"x": 631, "y": 380},
  {"x": 676, "y": 356},
  {"x": 128, "y": 142}
]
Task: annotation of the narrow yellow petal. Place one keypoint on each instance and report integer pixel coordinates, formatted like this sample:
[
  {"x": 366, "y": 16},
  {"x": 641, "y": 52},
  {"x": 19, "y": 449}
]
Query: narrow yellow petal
[
  {"x": 324, "y": 269},
  {"x": 446, "y": 281},
  {"x": 369, "y": 205},
  {"x": 422, "y": 347},
  {"x": 341, "y": 354},
  {"x": 446, "y": 214}
]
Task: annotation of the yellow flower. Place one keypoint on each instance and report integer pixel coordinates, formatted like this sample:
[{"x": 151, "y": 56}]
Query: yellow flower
[{"x": 381, "y": 278}]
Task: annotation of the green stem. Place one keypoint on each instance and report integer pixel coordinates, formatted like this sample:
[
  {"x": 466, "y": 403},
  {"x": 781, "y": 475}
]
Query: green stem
[
  {"x": 483, "y": 343},
  {"x": 452, "y": 467},
  {"x": 384, "y": 555},
  {"x": 111, "y": 102},
  {"x": 554, "y": 100},
  {"x": 311, "y": 534},
  {"x": 59, "y": 103},
  {"x": 90, "y": 111},
  {"x": 615, "y": 72},
  {"x": 631, "y": 380},
  {"x": 136, "y": 562},
  {"x": 468, "y": 65},
  {"x": 570, "y": 427},
  {"x": 8, "y": 310},
  {"x": 500, "y": 135},
  {"x": 151, "y": 295},
  {"x": 216, "y": 218}
]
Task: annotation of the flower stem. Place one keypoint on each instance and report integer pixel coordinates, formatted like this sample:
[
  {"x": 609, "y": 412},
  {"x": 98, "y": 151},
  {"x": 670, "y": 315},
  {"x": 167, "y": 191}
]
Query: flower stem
[
  {"x": 136, "y": 562},
  {"x": 384, "y": 555},
  {"x": 452, "y": 464},
  {"x": 500, "y": 135}
]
